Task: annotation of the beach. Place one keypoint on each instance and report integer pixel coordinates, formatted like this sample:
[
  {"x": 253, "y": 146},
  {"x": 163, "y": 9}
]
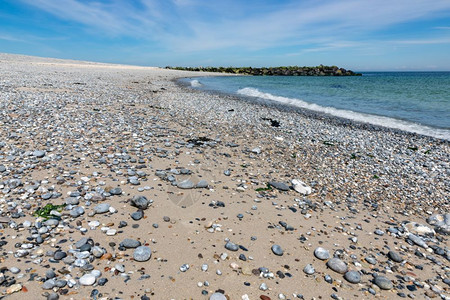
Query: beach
[{"x": 174, "y": 193}]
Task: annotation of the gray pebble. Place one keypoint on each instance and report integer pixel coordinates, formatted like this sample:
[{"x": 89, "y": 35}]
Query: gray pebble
[
  {"x": 130, "y": 243},
  {"x": 231, "y": 246},
  {"x": 279, "y": 185},
  {"x": 383, "y": 283},
  {"x": 142, "y": 253},
  {"x": 140, "y": 202},
  {"x": 217, "y": 296},
  {"x": 395, "y": 256},
  {"x": 371, "y": 260},
  {"x": 309, "y": 269},
  {"x": 102, "y": 208},
  {"x": 353, "y": 277},
  {"x": 39, "y": 153},
  {"x": 337, "y": 265},
  {"x": 185, "y": 184},
  {"x": 321, "y": 253},
  {"x": 276, "y": 249},
  {"x": 53, "y": 296},
  {"x": 202, "y": 184},
  {"x": 116, "y": 191},
  {"x": 49, "y": 284},
  {"x": 379, "y": 232},
  {"x": 137, "y": 215},
  {"x": 76, "y": 211}
]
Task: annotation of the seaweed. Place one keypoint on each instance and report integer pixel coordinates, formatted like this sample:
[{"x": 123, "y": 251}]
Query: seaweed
[
  {"x": 267, "y": 188},
  {"x": 44, "y": 212}
]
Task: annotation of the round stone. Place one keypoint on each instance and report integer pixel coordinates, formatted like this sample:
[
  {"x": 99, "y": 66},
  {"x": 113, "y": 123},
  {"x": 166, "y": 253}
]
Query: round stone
[
  {"x": 137, "y": 215},
  {"x": 276, "y": 249},
  {"x": 371, "y": 260},
  {"x": 353, "y": 277},
  {"x": 337, "y": 265},
  {"x": 186, "y": 184},
  {"x": 49, "y": 284},
  {"x": 87, "y": 279},
  {"x": 383, "y": 283},
  {"x": 53, "y": 296},
  {"x": 202, "y": 184},
  {"x": 130, "y": 243},
  {"x": 76, "y": 211},
  {"x": 116, "y": 191},
  {"x": 321, "y": 253},
  {"x": 309, "y": 269},
  {"x": 50, "y": 274},
  {"x": 141, "y": 202},
  {"x": 59, "y": 255},
  {"x": 217, "y": 296},
  {"x": 395, "y": 256},
  {"x": 102, "y": 208},
  {"x": 142, "y": 253},
  {"x": 231, "y": 246},
  {"x": 39, "y": 153}
]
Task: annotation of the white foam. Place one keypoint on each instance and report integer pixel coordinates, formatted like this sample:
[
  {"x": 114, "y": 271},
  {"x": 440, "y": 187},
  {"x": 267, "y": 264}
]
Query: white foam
[
  {"x": 196, "y": 83},
  {"x": 348, "y": 114}
]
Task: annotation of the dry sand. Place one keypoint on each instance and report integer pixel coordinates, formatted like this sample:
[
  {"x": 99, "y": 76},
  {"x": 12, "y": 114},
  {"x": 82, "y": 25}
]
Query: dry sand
[{"x": 99, "y": 125}]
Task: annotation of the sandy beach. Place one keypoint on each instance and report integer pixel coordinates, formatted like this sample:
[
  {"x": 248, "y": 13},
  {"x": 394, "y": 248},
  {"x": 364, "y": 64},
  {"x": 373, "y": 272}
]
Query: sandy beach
[{"x": 173, "y": 193}]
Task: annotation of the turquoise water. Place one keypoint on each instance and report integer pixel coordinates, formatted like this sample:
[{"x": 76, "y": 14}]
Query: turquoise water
[{"x": 411, "y": 101}]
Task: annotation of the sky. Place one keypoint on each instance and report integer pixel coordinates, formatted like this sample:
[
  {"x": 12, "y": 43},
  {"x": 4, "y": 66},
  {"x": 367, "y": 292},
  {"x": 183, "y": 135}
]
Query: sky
[{"x": 362, "y": 35}]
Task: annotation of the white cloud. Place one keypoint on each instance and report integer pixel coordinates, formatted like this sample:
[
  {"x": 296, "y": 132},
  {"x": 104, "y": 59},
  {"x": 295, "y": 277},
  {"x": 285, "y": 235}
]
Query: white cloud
[{"x": 196, "y": 25}]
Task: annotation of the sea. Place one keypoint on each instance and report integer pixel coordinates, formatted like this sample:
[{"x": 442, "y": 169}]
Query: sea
[{"x": 416, "y": 102}]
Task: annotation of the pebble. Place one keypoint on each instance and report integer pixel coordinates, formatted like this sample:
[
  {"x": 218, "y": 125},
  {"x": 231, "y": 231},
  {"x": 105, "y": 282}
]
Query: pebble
[
  {"x": 277, "y": 250},
  {"x": 49, "y": 284},
  {"x": 321, "y": 253},
  {"x": 130, "y": 243},
  {"x": 231, "y": 246},
  {"x": 383, "y": 283},
  {"x": 301, "y": 187},
  {"x": 279, "y": 185},
  {"x": 39, "y": 153},
  {"x": 185, "y": 184},
  {"x": 53, "y": 296},
  {"x": 142, "y": 253},
  {"x": 217, "y": 296},
  {"x": 116, "y": 191},
  {"x": 353, "y": 276},
  {"x": 102, "y": 208},
  {"x": 337, "y": 265},
  {"x": 309, "y": 269},
  {"x": 202, "y": 184},
  {"x": 395, "y": 256},
  {"x": 379, "y": 232},
  {"x": 87, "y": 279},
  {"x": 140, "y": 202},
  {"x": 137, "y": 215}
]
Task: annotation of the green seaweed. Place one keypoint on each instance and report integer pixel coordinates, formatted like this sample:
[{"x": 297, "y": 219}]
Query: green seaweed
[
  {"x": 267, "y": 188},
  {"x": 44, "y": 212}
]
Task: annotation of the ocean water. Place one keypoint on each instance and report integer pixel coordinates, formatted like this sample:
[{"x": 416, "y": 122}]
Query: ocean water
[{"x": 411, "y": 101}]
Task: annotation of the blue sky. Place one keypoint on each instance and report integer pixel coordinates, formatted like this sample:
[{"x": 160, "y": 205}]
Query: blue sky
[{"x": 355, "y": 34}]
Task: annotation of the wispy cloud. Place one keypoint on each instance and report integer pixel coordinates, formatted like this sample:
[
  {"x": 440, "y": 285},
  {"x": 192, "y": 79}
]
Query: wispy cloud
[
  {"x": 423, "y": 41},
  {"x": 10, "y": 38},
  {"x": 194, "y": 25}
]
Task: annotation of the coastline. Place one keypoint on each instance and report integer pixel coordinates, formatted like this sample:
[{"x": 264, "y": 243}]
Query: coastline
[{"x": 87, "y": 121}]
